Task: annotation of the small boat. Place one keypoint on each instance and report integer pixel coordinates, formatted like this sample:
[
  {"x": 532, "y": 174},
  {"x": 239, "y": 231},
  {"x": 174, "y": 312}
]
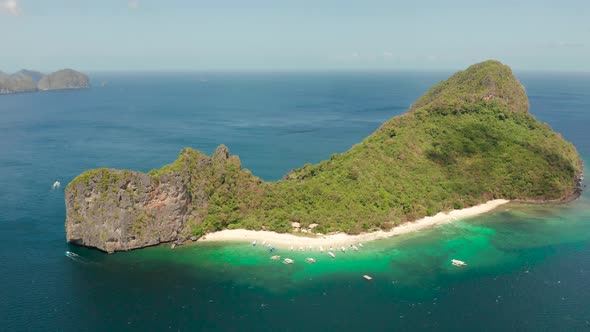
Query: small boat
[
  {"x": 457, "y": 262},
  {"x": 254, "y": 243},
  {"x": 331, "y": 254},
  {"x": 368, "y": 277},
  {"x": 355, "y": 248},
  {"x": 268, "y": 244},
  {"x": 56, "y": 185},
  {"x": 271, "y": 249},
  {"x": 301, "y": 249},
  {"x": 275, "y": 257},
  {"x": 321, "y": 249},
  {"x": 291, "y": 248},
  {"x": 360, "y": 245},
  {"x": 288, "y": 261},
  {"x": 264, "y": 242},
  {"x": 342, "y": 249},
  {"x": 310, "y": 260}
]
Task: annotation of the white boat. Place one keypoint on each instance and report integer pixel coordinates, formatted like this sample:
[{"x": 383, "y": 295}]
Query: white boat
[
  {"x": 275, "y": 257},
  {"x": 254, "y": 243},
  {"x": 301, "y": 249},
  {"x": 355, "y": 248},
  {"x": 310, "y": 260},
  {"x": 288, "y": 261},
  {"x": 457, "y": 262},
  {"x": 368, "y": 277},
  {"x": 342, "y": 249},
  {"x": 360, "y": 245},
  {"x": 264, "y": 242},
  {"x": 321, "y": 249},
  {"x": 331, "y": 254},
  {"x": 56, "y": 184}
]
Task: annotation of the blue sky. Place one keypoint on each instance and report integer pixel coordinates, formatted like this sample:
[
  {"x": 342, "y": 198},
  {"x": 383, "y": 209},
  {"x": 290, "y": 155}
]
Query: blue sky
[{"x": 293, "y": 34}]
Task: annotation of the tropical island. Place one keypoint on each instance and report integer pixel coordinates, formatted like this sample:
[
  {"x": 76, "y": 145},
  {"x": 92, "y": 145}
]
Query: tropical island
[
  {"x": 469, "y": 140},
  {"x": 31, "y": 81}
]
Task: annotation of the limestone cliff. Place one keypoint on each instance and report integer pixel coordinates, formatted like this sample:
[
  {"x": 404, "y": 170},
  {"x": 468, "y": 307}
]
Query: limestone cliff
[{"x": 116, "y": 210}]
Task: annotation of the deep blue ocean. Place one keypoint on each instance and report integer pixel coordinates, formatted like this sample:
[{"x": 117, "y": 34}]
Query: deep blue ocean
[{"x": 529, "y": 266}]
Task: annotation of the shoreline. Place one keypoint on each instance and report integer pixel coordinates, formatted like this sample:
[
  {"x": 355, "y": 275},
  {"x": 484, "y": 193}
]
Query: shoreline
[{"x": 286, "y": 240}]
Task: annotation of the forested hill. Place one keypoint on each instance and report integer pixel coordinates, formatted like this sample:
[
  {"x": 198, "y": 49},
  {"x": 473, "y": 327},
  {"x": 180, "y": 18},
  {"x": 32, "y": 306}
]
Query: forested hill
[{"x": 468, "y": 140}]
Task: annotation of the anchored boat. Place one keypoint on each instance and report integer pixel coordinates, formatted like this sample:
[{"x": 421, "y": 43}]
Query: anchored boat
[{"x": 457, "y": 262}]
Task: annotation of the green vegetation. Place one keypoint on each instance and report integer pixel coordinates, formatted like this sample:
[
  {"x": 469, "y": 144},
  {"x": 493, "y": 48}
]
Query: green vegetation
[{"x": 467, "y": 140}]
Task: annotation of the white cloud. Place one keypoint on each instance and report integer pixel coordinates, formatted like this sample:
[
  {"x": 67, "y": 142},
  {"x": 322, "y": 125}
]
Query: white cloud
[
  {"x": 11, "y": 7},
  {"x": 135, "y": 4}
]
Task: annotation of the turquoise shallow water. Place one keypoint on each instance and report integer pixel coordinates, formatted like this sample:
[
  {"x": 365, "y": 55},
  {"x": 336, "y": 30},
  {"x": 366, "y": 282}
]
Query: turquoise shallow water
[{"x": 528, "y": 269}]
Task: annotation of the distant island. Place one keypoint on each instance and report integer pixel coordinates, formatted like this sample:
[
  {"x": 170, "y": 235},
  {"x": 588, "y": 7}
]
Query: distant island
[
  {"x": 31, "y": 81},
  {"x": 469, "y": 140}
]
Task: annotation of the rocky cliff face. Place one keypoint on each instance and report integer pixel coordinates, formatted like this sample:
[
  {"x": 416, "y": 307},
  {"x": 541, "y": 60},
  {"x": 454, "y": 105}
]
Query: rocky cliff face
[
  {"x": 115, "y": 210},
  {"x": 64, "y": 79}
]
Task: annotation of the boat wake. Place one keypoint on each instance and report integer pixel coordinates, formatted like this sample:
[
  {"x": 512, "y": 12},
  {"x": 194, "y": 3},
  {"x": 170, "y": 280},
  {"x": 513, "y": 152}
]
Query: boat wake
[{"x": 76, "y": 258}]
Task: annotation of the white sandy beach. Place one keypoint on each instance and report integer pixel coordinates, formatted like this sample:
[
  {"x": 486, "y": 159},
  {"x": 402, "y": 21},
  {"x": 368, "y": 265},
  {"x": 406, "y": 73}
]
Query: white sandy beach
[{"x": 286, "y": 240}]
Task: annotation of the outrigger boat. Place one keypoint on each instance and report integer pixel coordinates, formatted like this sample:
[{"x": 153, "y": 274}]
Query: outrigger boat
[
  {"x": 275, "y": 257},
  {"x": 457, "y": 262},
  {"x": 331, "y": 254},
  {"x": 288, "y": 261},
  {"x": 310, "y": 260}
]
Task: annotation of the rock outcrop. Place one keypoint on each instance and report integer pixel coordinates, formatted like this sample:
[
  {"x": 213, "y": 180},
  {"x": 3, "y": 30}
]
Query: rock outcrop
[{"x": 115, "y": 210}]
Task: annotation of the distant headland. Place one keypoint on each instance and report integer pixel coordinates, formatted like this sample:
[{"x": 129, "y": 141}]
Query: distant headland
[
  {"x": 468, "y": 144},
  {"x": 32, "y": 81}
]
